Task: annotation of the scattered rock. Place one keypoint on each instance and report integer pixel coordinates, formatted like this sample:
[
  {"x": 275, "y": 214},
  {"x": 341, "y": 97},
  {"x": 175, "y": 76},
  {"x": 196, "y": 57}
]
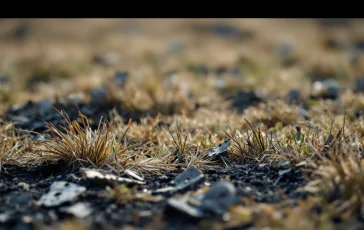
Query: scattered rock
[
  {"x": 98, "y": 94},
  {"x": 224, "y": 30},
  {"x": 4, "y": 79},
  {"x": 359, "y": 84},
  {"x": 21, "y": 31},
  {"x": 120, "y": 78},
  {"x": 61, "y": 192},
  {"x": 294, "y": 96},
  {"x": 285, "y": 52},
  {"x": 245, "y": 99},
  {"x": 336, "y": 44},
  {"x": 176, "y": 46},
  {"x": 19, "y": 200},
  {"x": 103, "y": 177},
  {"x": 327, "y": 89},
  {"x": 359, "y": 45},
  {"x": 236, "y": 72},
  {"x": 359, "y": 113},
  {"x": 108, "y": 59}
]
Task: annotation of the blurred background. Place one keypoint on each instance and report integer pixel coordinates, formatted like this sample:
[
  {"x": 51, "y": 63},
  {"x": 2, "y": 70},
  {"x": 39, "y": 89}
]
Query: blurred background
[{"x": 45, "y": 58}]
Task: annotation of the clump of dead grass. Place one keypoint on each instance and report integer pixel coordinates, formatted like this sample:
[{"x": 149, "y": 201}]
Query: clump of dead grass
[
  {"x": 10, "y": 145},
  {"x": 338, "y": 181},
  {"x": 78, "y": 145}
]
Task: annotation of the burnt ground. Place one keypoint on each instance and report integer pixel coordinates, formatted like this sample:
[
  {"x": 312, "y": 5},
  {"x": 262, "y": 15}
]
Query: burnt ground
[{"x": 21, "y": 188}]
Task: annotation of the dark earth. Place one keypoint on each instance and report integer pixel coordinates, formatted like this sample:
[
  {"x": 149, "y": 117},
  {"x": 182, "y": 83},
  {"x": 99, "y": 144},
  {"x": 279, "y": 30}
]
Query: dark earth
[{"x": 21, "y": 188}]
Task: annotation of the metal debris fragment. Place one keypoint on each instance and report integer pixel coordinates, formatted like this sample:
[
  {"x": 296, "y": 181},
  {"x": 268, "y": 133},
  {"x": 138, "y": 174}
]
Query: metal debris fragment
[
  {"x": 100, "y": 176},
  {"x": 221, "y": 148},
  {"x": 215, "y": 201},
  {"x": 284, "y": 171},
  {"x": 190, "y": 177},
  {"x": 61, "y": 192},
  {"x": 219, "y": 198},
  {"x": 163, "y": 190},
  {"x": 6, "y": 216},
  {"x": 79, "y": 210},
  {"x": 133, "y": 174}
]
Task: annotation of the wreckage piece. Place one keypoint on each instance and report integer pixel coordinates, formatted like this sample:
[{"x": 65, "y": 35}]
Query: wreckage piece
[
  {"x": 104, "y": 177},
  {"x": 79, "y": 210},
  {"x": 189, "y": 178},
  {"x": 61, "y": 192},
  {"x": 219, "y": 150},
  {"x": 219, "y": 198},
  {"x": 215, "y": 202},
  {"x": 133, "y": 174}
]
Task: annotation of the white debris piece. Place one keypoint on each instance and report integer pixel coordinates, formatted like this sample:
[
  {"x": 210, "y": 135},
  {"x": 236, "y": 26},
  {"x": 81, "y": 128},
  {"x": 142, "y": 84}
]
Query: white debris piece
[
  {"x": 61, "y": 192},
  {"x": 79, "y": 210},
  {"x": 219, "y": 149},
  {"x": 133, "y": 174},
  {"x": 97, "y": 175}
]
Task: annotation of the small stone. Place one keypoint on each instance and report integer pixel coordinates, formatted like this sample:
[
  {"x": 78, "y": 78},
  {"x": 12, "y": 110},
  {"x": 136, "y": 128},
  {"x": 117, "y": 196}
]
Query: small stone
[
  {"x": 120, "y": 78},
  {"x": 294, "y": 96},
  {"x": 175, "y": 46},
  {"x": 4, "y": 79},
  {"x": 108, "y": 59},
  {"x": 162, "y": 178},
  {"x": 98, "y": 94},
  {"x": 327, "y": 89},
  {"x": 236, "y": 72},
  {"x": 244, "y": 99},
  {"x": 23, "y": 185},
  {"x": 359, "y": 84},
  {"x": 225, "y": 30}
]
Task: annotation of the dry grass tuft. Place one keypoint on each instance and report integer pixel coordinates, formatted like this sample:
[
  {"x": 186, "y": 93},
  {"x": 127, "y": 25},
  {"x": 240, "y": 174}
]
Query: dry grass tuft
[
  {"x": 78, "y": 145},
  {"x": 10, "y": 145}
]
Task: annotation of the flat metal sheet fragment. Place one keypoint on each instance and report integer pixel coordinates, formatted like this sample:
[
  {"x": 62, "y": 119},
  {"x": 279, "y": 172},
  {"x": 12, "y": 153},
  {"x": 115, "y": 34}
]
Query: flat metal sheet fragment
[
  {"x": 182, "y": 205},
  {"x": 190, "y": 177},
  {"x": 221, "y": 148},
  {"x": 164, "y": 190},
  {"x": 284, "y": 171},
  {"x": 219, "y": 198},
  {"x": 61, "y": 192},
  {"x": 133, "y": 174},
  {"x": 99, "y": 176},
  {"x": 216, "y": 201},
  {"x": 79, "y": 210}
]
